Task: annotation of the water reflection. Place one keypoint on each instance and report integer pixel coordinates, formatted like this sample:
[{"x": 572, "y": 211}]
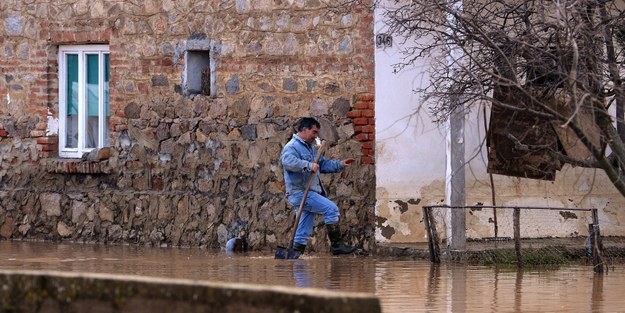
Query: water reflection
[
  {"x": 302, "y": 274},
  {"x": 403, "y": 286}
]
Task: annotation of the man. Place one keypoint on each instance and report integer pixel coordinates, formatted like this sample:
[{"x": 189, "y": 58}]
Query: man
[{"x": 297, "y": 159}]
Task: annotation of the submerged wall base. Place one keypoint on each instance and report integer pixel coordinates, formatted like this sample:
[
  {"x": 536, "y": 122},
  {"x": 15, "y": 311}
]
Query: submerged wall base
[{"x": 32, "y": 291}]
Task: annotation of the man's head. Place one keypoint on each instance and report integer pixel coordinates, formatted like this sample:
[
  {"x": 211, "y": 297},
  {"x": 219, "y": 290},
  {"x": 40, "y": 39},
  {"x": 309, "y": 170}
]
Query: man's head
[{"x": 308, "y": 129}]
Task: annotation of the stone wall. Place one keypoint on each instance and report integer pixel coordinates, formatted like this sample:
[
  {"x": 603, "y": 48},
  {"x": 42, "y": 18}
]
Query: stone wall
[
  {"x": 52, "y": 292},
  {"x": 184, "y": 170}
]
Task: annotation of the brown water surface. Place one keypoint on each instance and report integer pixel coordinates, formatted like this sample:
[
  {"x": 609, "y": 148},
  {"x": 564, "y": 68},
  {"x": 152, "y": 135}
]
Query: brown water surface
[{"x": 403, "y": 286}]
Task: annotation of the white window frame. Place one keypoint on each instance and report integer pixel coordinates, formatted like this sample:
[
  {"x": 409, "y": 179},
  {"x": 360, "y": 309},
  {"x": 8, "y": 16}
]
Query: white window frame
[{"x": 82, "y": 51}]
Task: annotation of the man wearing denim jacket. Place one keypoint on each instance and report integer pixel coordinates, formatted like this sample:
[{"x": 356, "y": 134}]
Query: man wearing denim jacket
[{"x": 297, "y": 159}]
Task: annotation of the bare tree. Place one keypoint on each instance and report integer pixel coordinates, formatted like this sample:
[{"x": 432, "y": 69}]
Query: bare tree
[{"x": 549, "y": 70}]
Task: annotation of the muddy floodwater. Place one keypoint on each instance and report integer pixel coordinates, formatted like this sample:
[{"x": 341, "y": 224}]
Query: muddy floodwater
[{"x": 402, "y": 285}]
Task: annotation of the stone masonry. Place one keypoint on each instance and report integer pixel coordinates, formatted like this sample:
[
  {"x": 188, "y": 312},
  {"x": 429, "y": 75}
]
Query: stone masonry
[
  {"x": 52, "y": 292},
  {"x": 185, "y": 170}
]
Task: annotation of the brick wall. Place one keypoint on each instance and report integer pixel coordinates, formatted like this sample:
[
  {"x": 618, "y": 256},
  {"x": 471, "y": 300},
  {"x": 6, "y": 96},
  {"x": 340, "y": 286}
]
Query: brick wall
[{"x": 363, "y": 116}]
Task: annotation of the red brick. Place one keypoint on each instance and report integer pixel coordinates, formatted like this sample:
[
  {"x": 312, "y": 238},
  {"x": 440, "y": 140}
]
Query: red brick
[
  {"x": 368, "y": 129},
  {"x": 368, "y": 50},
  {"x": 4, "y": 133},
  {"x": 366, "y": 20},
  {"x": 106, "y": 35},
  {"x": 68, "y": 37},
  {"x": 47, "y": 140},
  {"x": 167, "y": 62},
  {"x": 361, "y": 121},
  {"x": 115, "y": 62},
  {"x": 354, "y": 113},
  {"x": 358, "y": 129},
  {"x": 362, "y": 137},
  {"x": 48, "y": 147},
  {"x": 82, "y": 36},
  {"x": 41, "y": 83},
  {"x": 56, "y": 37},
  {"x": 367, "y": 160},
  {"x": 367, "y": 145},
  {"x": 361, "y": 105},
  {"x": 365, "y": 97},
  {"x": 368, "y": 113}
]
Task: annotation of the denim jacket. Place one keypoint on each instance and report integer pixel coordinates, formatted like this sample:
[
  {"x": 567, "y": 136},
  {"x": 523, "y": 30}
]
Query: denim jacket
[{"x": 297, "y": 158}]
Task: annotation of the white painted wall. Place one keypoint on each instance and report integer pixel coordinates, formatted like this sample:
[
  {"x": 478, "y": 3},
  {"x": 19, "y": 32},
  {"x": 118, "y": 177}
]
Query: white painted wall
[{"x": 410, "y": 149}]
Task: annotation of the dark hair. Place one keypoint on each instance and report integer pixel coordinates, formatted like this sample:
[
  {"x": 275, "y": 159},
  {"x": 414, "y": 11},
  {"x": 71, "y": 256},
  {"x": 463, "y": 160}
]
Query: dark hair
[{"x": 307, "y": 122}]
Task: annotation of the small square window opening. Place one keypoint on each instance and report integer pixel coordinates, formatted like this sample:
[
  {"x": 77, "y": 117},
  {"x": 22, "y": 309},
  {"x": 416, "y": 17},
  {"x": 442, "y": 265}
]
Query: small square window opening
[{"x": 199, "y": 71}]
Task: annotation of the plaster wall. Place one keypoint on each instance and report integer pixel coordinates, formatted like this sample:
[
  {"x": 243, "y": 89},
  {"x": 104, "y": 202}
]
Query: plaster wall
[{"x": 410, "y": 149}]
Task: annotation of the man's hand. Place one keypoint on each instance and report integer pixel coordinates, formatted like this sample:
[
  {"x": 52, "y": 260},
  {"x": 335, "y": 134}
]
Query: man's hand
[
  {"x": 347, "y": 162},
  {"x": 314, "y": 168}
]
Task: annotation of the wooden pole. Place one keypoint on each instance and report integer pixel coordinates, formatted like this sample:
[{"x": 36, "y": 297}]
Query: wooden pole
[
  {"x": 430, "y": 227},
  {"x": 596, "y": 244},
  {"x": 517, "y": 236}
]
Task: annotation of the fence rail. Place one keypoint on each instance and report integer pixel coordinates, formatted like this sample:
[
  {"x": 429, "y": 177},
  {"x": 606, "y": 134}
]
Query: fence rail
[{"x": 594, "y": 235}]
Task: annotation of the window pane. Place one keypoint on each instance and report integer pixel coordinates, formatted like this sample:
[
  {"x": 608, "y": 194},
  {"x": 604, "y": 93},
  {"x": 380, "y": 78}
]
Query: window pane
[
  {"x": 93, "y": 96},
  {"x": 107, "y": 111},
  {"x": 71, "y": 129}
]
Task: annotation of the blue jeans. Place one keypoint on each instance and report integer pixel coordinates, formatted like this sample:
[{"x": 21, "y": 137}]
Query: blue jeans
[{"x": 315, "y": 204}]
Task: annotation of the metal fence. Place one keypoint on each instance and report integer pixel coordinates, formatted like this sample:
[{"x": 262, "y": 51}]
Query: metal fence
[{"x": 523, "y": 235}]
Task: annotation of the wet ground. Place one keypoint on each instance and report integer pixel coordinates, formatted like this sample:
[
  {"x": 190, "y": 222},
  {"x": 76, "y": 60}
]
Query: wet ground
[{"x": 402, "y": 285}]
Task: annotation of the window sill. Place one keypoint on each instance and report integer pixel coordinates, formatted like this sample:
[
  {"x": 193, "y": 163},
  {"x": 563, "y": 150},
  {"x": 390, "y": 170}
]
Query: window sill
[{"x": 75, "y": 166}]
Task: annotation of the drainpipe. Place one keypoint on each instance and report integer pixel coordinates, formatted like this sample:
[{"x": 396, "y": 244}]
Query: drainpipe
[{"x": 455, "y": 176}]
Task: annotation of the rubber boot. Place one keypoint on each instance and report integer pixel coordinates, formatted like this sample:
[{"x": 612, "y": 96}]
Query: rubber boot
[
  {"x": 297, "y": 251},
  {"x": 338, "y": 246},
  {"x": 299, "y": 247}
]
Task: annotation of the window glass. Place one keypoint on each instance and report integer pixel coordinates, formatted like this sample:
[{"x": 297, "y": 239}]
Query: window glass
[
  {"x": 93, "y": 96},
  {"x": 72, "y": 101},
  {"x": 107, "y": 110}
]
